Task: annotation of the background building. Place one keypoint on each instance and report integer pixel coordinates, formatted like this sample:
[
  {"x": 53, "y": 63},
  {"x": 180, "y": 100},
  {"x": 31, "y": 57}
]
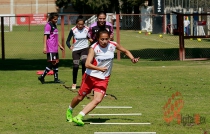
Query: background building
[{"x": 27, "y": 6}]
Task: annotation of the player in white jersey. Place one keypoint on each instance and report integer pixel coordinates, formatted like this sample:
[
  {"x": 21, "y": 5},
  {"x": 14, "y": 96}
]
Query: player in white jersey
[
  {"x": 99, "y": 65},
  {"x": 79, "y": 48}
]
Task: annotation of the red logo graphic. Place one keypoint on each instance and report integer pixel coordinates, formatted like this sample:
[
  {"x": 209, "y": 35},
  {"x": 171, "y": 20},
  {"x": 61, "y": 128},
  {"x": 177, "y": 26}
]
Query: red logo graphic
[{"x": 173, "y": 108}]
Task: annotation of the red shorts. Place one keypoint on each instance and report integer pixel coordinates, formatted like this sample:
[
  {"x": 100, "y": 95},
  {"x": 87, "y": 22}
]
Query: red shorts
[{"x": 90, "y": 83}]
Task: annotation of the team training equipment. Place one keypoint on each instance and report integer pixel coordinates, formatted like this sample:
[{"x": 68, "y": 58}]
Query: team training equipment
[
  {"x": 124, "y": 132},
  {"x": 118, "y": 107},
  {"x": 129, "y": 114},
  {"x": 9, "y": 21},
  {"x": 119, "y": 123}
]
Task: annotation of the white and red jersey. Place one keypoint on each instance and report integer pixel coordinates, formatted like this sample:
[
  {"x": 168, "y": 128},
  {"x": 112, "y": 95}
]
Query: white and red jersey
[
  {"x": 103, "y": 58},
  {"x": 80, "y": 40}
]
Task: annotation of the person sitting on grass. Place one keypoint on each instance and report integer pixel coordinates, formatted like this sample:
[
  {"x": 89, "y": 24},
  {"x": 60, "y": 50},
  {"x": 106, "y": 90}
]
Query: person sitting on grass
[{"x": 98, "y": 70}]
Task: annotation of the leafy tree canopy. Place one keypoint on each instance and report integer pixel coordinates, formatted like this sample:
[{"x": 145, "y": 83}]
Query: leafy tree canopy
[{"x": 93, "y": 6}]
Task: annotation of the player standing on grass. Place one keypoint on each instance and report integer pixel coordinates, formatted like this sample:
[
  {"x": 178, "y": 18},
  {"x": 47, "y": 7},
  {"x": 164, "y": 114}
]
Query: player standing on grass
[
  {"x": 101, "y": 23},
  {"x": 51, "y": 45},
  {"x": 79, "y": 48},
  {"x": 99, "y": 65}
]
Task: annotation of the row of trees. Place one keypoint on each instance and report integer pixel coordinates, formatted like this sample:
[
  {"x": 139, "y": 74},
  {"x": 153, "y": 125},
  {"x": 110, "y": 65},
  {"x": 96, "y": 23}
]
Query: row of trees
[
  {"x": 125, "y": 6},
  {"x": 93, "y": 6}
]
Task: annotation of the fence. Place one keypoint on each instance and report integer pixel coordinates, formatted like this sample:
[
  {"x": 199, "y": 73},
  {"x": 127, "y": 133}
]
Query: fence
[{"x": 151, "y": 37}]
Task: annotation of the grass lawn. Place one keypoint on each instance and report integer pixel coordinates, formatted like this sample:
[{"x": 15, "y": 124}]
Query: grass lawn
[{"x": 27, "y": 106}]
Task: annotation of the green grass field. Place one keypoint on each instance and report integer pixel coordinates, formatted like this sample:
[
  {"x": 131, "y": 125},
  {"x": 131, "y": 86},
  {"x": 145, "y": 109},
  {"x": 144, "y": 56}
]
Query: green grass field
[{"x": 27, "y": 106}]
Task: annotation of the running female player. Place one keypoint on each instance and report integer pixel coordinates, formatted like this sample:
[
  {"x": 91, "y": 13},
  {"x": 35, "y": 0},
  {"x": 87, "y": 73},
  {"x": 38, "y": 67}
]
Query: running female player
[
  {"x": 51, "y": 45},
  {"x": 99, "y": 25},
  {"x": 99, "y": 65},
  {"x": 80, "y": 47}
]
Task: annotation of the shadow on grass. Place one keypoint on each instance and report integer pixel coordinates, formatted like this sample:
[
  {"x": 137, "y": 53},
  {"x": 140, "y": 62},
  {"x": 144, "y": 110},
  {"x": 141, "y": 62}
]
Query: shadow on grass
[
  {"x": 96, "y": 120},
  {"x": 103, "y": 120},
  {"x": 30, "y": 64},
  {"x": 165, "y": 54}
]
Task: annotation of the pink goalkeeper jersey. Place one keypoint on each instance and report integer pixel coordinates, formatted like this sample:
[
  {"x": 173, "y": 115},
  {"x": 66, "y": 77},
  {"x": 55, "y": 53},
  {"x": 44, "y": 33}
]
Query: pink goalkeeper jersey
[
  {"x": 52, "y": 37},
  {"x": 103, "y": 58}
]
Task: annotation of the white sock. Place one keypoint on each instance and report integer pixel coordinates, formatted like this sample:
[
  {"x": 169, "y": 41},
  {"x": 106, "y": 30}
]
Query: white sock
[
  {"x": 70, "y": 108},
  {"x": 81, "y": 113}
]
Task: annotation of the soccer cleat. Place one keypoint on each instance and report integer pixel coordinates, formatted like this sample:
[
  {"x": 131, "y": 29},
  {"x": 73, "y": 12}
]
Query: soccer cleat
[
  {"x": 58, "y": 81},
  {"x": 41, "y": 79},
  {"x": 78, "y": 120},
  {"x": 69, "y": 115},
  {"x": 74, "y": 86}
]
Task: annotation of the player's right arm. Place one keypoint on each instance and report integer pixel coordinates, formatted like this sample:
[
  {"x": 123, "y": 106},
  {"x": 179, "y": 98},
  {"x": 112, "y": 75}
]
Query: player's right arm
[
  {"x": 45, "y": 44},
  {"x": 89, "y": 60},
  {"x": 111, "y": 32},
  {"x": 47, "y": 30}
]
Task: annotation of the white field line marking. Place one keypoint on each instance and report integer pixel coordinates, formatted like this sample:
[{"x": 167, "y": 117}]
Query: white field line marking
[
  {"x": 114, "y": 114},
  {"x": 124, "y": 132},
  {"x": 158, "y": 40},
  {"x": 120, "y": 123},
  {"x": 111, "y": 106}
]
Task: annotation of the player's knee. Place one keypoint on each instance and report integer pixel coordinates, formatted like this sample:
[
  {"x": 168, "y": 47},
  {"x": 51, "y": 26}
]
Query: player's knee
[
  {"x": 75, "y": 66},
  {"x": 97, "y": 100},
  {"x": 83, "y": 59},
  {"x": 75, "y": 63},
  {"x": 80, "y": 98},
  {"x": 54, "y": 63}
]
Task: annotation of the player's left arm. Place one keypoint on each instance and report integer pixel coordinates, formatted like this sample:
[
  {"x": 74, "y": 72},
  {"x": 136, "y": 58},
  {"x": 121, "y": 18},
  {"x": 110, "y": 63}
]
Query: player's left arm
[
  {"x": 61, "y": 47},
  {"x": 127, "y": 53}
]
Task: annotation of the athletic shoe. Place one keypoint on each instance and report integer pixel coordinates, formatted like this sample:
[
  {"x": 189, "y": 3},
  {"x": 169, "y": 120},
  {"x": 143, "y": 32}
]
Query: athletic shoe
[
  {"x": 78, "y": 120},
  {"x": 41, "y": 79},
  {"x": 69, "y": 115},
  {"x": 74, "y": 86},
  {"x": 58, "y": 81}
]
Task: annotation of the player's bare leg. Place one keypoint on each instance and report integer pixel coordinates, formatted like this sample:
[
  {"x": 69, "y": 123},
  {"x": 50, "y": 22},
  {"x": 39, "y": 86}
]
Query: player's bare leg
[
  {"x": 98, "y": 97},
  {"x": 75, "y": 101}
]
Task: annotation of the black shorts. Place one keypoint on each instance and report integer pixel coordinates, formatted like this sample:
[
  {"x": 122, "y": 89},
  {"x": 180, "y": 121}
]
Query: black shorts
[{"x": 52, "y": 57}]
